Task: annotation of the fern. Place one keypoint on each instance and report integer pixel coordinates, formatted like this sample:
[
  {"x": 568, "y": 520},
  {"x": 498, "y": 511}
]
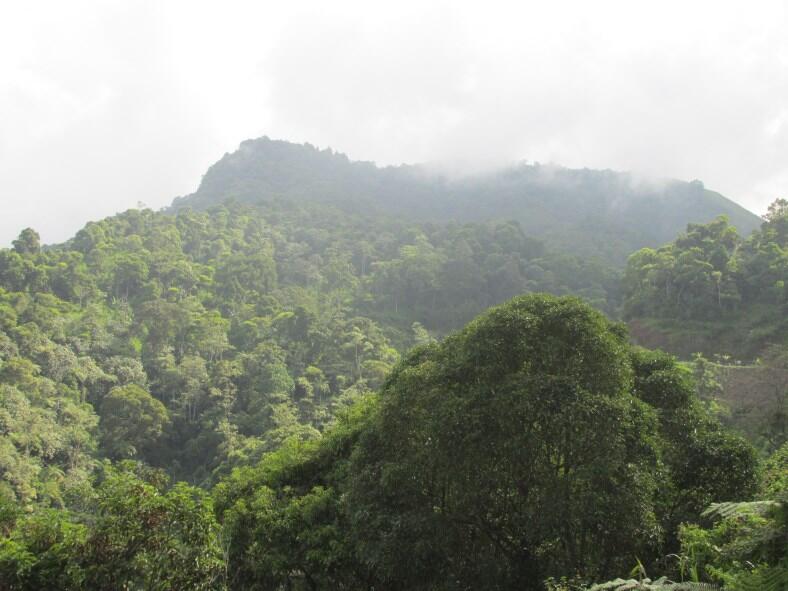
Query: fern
[
  {"x": 763, "y": 579},
  {"x": 661, "y": 584},
  {"x": 725, "y": 510}
]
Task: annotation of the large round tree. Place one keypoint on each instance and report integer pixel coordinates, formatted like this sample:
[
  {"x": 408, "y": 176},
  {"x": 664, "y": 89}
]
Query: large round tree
[
  {"x": 132, "y": 421},
  {"x": 517, "y": 449}
]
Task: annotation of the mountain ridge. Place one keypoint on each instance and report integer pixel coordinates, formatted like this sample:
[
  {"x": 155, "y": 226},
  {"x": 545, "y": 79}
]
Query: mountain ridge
[{"x": 600, "y": 213}]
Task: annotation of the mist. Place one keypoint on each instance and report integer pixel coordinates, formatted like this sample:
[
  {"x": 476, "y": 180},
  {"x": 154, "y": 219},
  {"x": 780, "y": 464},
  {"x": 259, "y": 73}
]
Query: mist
[{"x": 107, "y": 104}]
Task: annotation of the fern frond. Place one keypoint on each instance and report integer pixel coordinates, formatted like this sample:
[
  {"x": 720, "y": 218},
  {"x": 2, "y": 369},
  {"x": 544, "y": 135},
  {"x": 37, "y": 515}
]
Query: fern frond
[
  {"x": 613, "y": 585},
  {"x": 661, "y": 584},
  {"x": 725, "y": 510},
  {"x": 764, "y": 579}
]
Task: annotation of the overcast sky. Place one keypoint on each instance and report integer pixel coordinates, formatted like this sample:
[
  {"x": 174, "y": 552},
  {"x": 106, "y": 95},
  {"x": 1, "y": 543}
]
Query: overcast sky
[{"x": 108, "y": 103}]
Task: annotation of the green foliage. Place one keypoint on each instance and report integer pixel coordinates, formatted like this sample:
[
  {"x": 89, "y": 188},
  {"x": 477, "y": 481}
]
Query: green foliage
[
  {"x": 661, "y": 584},
  {"x": 736, "y": 545},
  {"x": 47, "y": 440},
  {"x": 535, "y": 441},
  {"x": 689, "y": 278},
  {"x": 775, "y": 473},
  {"x": 140, "y": 535},
  {"x": 598, "y": 212},
  {"x": 705, "y": 461},
  {"x": 711, "y": 275},
  {"x": 242, "y": 347},
  {"x": 131, "y": 422},
  {"x": 747, "y": 547},
  {"x": 479, "y": 439},
  {"x": 151, "y": 538},
  {"x": 28, "y": 242},
  {"x": 285, "y": 518},
  {"x": 222, "y": 316}
]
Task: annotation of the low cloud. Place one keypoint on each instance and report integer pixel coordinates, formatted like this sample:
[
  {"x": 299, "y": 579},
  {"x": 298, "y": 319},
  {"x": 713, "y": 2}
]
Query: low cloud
[{"x": 109, "y": 103}]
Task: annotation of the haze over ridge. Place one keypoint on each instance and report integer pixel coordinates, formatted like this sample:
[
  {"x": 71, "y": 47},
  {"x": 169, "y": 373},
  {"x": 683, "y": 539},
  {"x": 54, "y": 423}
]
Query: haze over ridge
[{"x": 596, "y": 213}]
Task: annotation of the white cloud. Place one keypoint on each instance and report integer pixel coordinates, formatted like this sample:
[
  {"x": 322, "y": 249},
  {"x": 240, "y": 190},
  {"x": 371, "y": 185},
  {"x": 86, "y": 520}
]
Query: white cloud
[{"x": 106, "y": 103}]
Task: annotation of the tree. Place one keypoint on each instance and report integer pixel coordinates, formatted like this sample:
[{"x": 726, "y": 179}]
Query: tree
[
  {"x": 131, "y": 422},
  {"x": 149, "y": 537},
  {"x": 142, "y": 535},
  {"x": 131, "y": 271},
  {"x": 28, "y": 242},
  {"x": 284, "y": 518},
  {"x": 703, "y": 462},
  {"x": 515, "y": 441}
]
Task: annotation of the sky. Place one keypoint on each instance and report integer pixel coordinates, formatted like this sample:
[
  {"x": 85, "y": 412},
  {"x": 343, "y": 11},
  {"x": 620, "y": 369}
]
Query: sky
[{"x": 108, "y": 104}]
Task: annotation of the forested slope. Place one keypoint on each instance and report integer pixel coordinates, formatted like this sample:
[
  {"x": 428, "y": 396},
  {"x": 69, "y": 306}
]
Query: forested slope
[
  {"x": 604, "y": 214},
  {"x": 278, "y": 393},
  {"x": 712, "y": 290},
  {"x": 203, "y": 339},
  {"x": 534, "y": 449}
]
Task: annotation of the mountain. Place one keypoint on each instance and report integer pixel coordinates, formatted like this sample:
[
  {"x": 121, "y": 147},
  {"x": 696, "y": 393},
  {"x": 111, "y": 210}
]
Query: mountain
[
  {"x": 598, "y": 213},
  {"x": 279, "y": 394}
]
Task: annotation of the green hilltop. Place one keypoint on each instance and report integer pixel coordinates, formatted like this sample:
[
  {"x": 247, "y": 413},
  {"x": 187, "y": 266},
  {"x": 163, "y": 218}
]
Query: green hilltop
[{"x": 599, "y": 213}]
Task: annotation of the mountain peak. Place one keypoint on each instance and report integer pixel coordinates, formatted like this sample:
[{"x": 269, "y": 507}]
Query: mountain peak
[{"x": 602, "y": 213}]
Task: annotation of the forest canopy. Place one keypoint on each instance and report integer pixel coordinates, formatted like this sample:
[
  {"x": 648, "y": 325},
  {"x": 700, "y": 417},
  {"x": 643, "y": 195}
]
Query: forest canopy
[
  {"x": 734, "y": 288},
  {"x": 292, "y": 395}
]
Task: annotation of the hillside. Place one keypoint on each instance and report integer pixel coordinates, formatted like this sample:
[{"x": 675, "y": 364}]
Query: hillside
[
  {"x": 604, "y": 214},
  {"x": 712, "y": 291},
  {"x": 239, "y": 326},
  {"x": 296, "y": 368},
  {"x": 476, "y": 459}
]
